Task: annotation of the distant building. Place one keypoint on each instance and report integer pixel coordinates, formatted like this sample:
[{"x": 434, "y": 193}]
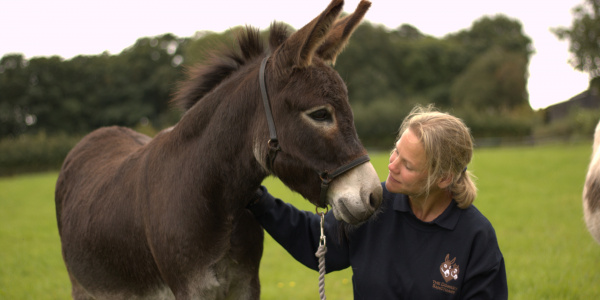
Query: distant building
[{"x": 589, "y": 99}]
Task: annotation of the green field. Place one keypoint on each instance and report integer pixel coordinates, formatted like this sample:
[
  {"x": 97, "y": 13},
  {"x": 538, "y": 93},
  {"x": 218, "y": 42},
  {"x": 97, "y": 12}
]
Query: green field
[{"x": 532, "y": 196}]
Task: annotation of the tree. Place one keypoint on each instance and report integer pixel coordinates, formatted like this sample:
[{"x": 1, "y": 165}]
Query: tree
[
  {"x": 387, "y": 71},
  {"x": 498, "y": 31},
  {"x": 584, "y": 38},
  {"x": 495, "y": 76},
  {"x": 367, "y": 65},
  {"x": 495, "y": 82},
  {"x": 200, "y": 46},
  {"x": 408, "y": 32},
  {"x": 13, "y": 85},
  {"x": 150, "y": 70}
]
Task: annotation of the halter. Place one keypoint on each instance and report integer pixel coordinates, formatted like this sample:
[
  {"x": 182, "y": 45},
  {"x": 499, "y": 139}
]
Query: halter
[{"x": 326, "y": 176}]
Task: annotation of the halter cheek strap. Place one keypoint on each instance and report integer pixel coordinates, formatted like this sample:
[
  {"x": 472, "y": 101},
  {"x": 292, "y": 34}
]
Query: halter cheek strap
[{"x": 273, "y": 143}]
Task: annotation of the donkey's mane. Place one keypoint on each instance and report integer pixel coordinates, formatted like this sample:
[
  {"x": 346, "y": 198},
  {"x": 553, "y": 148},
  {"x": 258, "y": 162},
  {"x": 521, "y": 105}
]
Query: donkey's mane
[{"x": 202, "y": 78}]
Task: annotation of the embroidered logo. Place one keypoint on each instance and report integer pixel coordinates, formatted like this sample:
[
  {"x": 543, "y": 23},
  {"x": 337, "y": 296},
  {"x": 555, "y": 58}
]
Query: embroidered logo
[{"x": 449, "y": 269}]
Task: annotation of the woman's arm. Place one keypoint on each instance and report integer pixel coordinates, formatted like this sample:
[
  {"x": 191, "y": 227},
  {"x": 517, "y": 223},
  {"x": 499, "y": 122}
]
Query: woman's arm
[
  {"x": 299, "y": 232},
  {"x": 486, "y": 273}
]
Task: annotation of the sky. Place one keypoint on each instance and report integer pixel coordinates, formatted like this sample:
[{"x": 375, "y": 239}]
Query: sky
[{"x": 71, "y": 27}]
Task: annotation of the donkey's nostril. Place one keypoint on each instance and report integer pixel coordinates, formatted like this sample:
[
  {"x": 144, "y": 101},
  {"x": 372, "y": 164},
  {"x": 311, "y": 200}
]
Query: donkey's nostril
[
  {"x": 375, "y": 199},
  {"x": 372, "y": 201}
]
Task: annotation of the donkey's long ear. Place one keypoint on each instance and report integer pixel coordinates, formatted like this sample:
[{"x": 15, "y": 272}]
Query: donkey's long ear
[
  {"x": 340, "y": 34},
  {"x": 298, "y": 49}
]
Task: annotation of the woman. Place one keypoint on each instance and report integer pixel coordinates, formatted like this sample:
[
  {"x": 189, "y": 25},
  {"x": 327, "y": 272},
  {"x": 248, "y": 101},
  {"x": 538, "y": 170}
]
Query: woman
[{"x": 428, "y": 241}]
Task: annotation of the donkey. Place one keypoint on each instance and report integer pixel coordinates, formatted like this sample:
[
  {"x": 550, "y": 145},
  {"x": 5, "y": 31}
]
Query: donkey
[
  {"x": 449, "y": 269},
  {"x": 591, "y": 190},
  {"x": 165, "y": 218}
]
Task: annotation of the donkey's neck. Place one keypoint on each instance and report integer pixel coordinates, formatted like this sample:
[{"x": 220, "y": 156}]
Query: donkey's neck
[{"x": 216, "y": 138}]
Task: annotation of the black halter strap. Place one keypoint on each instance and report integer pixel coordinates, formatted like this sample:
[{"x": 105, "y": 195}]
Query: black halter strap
[
  {"x": 273, "y": 143},
  {"x": 327, "y": 177}
]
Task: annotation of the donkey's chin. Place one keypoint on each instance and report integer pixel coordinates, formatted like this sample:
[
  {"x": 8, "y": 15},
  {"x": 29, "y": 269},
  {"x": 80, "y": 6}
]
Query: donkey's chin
[
  {"x": 356, "y": 195},
  {"x": 342, "y": 213}
]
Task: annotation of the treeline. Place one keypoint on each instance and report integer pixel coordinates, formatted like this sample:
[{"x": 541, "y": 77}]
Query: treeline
[{"x": 479, "y": 74}]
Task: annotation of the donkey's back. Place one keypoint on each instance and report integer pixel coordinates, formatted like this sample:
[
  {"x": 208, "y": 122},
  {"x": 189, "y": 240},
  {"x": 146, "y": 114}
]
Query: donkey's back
[
  {"x": 101, "y": 158},
  {"x": 99, "y": 219}
]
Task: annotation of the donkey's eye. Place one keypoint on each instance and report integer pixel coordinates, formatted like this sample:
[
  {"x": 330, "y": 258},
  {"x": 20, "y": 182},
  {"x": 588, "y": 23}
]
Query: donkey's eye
[{"x": 321, "y": 115}]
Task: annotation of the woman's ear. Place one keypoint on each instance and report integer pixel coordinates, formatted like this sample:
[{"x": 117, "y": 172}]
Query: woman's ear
[{"x": 445, "y": 181}]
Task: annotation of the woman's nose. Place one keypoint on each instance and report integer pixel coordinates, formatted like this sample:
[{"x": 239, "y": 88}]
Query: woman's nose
[{"x": 393, "y": 165}]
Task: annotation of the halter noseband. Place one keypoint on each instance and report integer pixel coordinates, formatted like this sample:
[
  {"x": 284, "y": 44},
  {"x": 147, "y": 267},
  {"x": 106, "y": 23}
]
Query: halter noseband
[{"x": 326, "y": 177}]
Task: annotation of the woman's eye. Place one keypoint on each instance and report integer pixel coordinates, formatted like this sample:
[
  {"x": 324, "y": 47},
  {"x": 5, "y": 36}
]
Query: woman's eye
[{"x": 321, "y": 115}]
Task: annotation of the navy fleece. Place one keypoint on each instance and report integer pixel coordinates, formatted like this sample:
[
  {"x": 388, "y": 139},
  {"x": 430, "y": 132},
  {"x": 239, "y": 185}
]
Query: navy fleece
[{"x": 394, "y": 255}]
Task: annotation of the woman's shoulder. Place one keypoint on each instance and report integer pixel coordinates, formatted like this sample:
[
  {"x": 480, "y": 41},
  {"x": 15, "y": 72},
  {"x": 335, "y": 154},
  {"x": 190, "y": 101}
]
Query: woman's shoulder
[
  {"x": 473, "y": 220},
  {"x": 473, "y": 214}
]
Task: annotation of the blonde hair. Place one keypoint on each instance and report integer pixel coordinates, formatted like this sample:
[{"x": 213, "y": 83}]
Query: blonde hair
[{"x": 448, "y": 150}]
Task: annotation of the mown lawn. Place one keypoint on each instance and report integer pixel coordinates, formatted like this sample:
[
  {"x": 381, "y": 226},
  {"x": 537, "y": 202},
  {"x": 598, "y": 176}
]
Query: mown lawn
[{"x": 532, "y": 196}]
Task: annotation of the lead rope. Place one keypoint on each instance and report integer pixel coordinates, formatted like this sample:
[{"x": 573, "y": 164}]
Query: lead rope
[{"x": 321, "y": 255}]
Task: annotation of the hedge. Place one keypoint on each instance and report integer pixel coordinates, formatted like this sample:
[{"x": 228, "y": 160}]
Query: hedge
[{"x": 34, "y": 153}]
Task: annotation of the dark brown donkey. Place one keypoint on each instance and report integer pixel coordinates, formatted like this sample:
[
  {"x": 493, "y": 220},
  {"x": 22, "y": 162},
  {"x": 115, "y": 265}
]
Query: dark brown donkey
[{"x": 165, "y": 218}]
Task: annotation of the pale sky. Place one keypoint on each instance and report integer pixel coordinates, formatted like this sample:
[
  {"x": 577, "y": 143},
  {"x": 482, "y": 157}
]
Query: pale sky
[{"x": 71, "y": 27}]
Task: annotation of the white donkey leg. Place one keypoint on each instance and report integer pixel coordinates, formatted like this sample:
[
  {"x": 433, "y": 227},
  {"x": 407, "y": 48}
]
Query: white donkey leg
[{"x": 591, "y": 191}]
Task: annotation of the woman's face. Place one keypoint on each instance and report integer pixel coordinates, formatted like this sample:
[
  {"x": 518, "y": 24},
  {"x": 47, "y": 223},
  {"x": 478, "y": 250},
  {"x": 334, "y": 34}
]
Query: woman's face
[{"x": 408, "y": 172}]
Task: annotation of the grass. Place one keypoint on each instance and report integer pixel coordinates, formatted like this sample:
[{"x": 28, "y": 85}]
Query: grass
[
  {"x": 532, "y": 196},
  {"x": 31, "y": 265}
]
